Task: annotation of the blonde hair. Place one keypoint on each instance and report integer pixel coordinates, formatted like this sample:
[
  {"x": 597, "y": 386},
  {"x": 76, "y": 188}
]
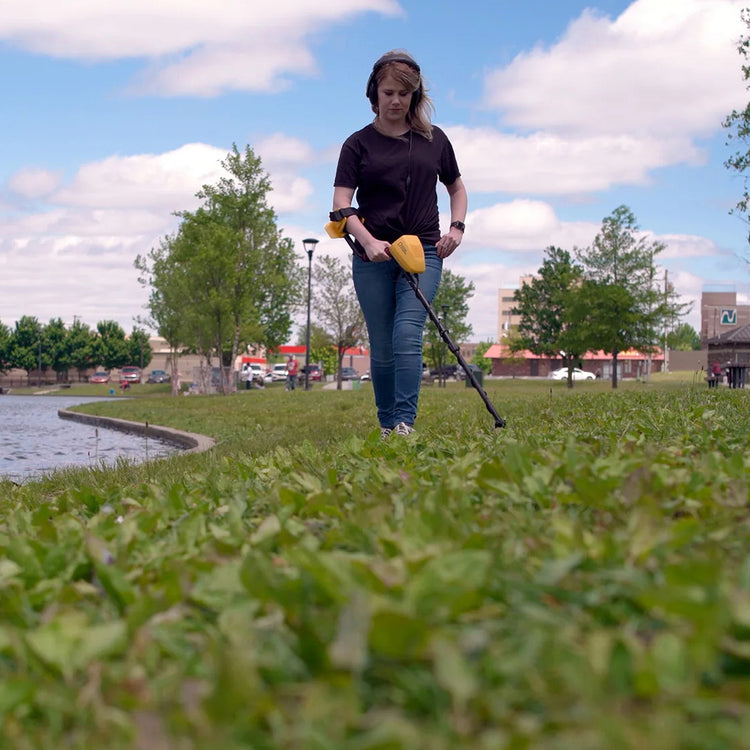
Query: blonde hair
[{"x": 421, "y": 108}]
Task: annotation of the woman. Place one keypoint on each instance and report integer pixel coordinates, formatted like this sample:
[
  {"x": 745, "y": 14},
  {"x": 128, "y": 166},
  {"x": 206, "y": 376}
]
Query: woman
[{"x": 394, "y": 164}]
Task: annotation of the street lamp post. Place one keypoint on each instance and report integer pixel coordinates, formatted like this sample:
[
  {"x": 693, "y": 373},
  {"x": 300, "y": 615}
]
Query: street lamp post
[{"x": 309, "y": 245}]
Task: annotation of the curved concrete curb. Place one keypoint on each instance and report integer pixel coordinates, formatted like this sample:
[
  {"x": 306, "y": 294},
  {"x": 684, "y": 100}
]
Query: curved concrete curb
[{"x": 191, "y": 442}]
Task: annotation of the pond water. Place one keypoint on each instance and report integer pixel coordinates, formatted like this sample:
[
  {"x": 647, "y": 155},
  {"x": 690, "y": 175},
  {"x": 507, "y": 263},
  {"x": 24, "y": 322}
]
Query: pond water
[{"x": 34, "y": 441}]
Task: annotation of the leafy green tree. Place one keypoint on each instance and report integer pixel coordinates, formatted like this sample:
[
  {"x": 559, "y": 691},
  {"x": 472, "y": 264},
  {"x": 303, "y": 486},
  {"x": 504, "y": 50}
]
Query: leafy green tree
[
  {"x": 26, "y": 345},
  {"x": 738, "y": 125},
  {"x": 139, "y": 348},
  {"x": 227, "y": 274},
  {"x": 5, "y": 348},
  {"x": 322, "y": 349},
  {"x": 110, "y": 348},
  {"x": 451, "y": 303},
  {"x": 170, "y": 306},
  {"x": 55, "y": 341},
  {"x": 684, "y": 338},
  {"x": 620, "y": 259},
  {"x": 82, "y": 345},
  {"x": 544, "y": 305},
  {"x": 335, "y": 307},
  {"x": 479, "y": 359}
]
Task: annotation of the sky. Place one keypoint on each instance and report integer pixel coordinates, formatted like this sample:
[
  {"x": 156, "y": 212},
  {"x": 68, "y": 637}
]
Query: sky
[{"x": 114, "y": 114}]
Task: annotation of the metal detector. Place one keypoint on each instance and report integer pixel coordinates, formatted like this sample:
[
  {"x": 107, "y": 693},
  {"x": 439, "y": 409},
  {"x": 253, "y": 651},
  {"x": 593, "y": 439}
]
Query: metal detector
[{"x": 408, "y": 252}]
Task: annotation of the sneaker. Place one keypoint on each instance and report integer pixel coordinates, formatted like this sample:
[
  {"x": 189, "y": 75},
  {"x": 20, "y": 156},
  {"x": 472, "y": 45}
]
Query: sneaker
[
  {"x": 385, "y": 433},
  {"x": 403, "y": 429}
]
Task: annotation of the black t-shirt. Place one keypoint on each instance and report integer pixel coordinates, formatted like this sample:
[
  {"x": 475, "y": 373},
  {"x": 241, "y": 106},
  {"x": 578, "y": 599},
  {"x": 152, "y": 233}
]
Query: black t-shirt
[{"x": 396, "y": 181}]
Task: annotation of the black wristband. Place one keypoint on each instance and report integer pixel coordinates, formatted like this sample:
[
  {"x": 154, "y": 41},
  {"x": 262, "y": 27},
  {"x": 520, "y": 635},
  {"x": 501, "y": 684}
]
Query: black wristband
[
  {"x": 342, "y": 213},
  {"x": 459, "y": 225}
]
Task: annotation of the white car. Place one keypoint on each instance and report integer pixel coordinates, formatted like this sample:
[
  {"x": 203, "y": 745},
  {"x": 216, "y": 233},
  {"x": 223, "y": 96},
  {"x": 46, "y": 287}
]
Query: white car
[
  {"x": 578, "y": 374},
  {"x": 278, "y": 373}
]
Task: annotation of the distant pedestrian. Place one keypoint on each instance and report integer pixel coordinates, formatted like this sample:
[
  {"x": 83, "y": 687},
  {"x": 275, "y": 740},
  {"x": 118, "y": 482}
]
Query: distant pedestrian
[
  {"x": 246, "y": 375},
  {"x": 292, "y": 367}
]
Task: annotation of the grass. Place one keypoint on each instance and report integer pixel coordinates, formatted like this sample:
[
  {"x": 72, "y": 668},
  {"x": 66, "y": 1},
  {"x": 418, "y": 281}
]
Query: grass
[{"x": 580, "y": 579}]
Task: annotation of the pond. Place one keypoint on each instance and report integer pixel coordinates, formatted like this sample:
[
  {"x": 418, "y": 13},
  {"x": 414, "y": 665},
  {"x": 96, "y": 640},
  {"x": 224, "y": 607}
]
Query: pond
[{"x": 34, "y": 441}]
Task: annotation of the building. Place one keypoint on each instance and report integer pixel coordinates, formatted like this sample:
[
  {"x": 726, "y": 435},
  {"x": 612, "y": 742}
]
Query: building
[
  {"x": 720, "y": 313},
  {"x": 630, "y": 364},
  {"x": 505, "y": 304}
]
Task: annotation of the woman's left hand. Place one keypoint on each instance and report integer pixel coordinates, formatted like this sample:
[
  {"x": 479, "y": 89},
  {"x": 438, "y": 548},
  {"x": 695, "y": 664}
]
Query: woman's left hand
[{"x": 449, "y": 242}]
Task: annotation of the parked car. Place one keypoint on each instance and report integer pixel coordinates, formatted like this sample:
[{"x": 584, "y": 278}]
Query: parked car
[
  {"x": 256, "y": 371},
  {"x": 100, "y": 376},
  {"x": 349, "y": 373},
  {"x": 365, "y": 376},
  {"x": 130, "y": 374},
  {"x": 578, "y": 374},
  {"x": 316, "y": 372},
  {"x": 447, "y": 371},
  {"x": 278, "y": 373},
  {"x": 158, "y": 376}
]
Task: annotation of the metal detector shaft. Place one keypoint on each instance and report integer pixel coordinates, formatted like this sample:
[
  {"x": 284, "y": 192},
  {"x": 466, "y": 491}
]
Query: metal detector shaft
[
  {"x": 499, "y": 421},
  {"x": 411, "y": 278}
]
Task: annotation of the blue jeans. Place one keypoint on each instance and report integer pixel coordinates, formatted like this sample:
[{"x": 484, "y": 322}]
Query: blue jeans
[{"x": 395, "y": 320}]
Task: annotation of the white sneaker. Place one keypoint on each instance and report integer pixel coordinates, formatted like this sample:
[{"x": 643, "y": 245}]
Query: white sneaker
[
  {"x": 403, "y": 429},
  {"x": 385, "y": 433}
]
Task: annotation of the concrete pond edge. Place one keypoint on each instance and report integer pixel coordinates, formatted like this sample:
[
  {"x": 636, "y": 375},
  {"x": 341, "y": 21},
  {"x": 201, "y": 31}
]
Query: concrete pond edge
[{"x": 190, "y": 442}]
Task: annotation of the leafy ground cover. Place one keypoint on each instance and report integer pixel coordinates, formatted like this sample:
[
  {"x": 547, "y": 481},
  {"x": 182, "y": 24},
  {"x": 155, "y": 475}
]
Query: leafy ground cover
[{"x": 580, "y": 579}]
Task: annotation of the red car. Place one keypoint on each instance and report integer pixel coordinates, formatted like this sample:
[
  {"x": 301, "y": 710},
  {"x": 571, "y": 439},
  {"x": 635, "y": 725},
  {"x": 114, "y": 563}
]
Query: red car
[
  {"x": 100, "y": 376},
  {"x": 130, "y": 374},
  {"x": 316, "y": 373}
]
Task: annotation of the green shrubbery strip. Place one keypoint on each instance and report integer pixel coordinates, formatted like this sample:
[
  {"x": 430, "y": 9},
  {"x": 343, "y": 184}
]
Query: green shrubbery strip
[{"x": 578, "y": 580}]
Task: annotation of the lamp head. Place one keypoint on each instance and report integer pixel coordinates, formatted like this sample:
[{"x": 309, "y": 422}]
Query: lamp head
[{"x": 309, "y": 245}]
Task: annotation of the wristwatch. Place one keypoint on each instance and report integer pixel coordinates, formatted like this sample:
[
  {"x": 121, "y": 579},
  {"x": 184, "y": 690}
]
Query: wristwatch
[{"x": 459, "y": 225}]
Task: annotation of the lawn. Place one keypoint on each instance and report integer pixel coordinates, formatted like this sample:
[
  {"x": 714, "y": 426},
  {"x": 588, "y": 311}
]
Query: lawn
[{"x": 580, "y": 579}]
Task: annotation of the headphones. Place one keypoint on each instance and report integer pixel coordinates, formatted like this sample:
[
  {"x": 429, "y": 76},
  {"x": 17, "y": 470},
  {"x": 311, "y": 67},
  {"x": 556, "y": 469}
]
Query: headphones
[{"x": 371, "y": 92}]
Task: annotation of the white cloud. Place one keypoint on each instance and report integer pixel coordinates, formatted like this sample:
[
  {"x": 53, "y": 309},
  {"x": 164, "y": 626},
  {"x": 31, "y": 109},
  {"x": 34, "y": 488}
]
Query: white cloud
[
  {"x": 109, "y": 212},
  {"x": 523, "y": 226},
  {"x": 194, "y": 47},
  {"x": 549, "y": 164},
  {"x": 168, "y": 181},
  {"x": 667, "y": 68},
  {"x": 33, "y": 182},
  {"x": 680, "y": 246},
  {"x": 282, "y": 157}
]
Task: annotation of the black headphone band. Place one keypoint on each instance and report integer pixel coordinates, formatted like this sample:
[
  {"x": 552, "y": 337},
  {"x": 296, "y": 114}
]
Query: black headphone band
[{"x": 371, "y": 90}]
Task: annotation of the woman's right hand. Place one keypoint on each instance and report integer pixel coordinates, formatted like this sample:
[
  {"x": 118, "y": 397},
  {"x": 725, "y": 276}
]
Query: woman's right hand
[{"x": 378, "y": 251}]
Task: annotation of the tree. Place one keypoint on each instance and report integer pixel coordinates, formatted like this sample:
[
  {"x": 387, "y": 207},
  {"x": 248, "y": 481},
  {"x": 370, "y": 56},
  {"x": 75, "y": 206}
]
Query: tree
[
  {"x": 480, "y": 360},
  {"x": 26, "y": 347},
  {"x": 451, "y": 302},
  {"x": 139, "y": 347},
  {"x": 82, "y": 345},
  {"x": 56, "y": 342},
  {"x": 336, "y": 308},
  {"x": 627, "y": 299},
  {"x": 547, "y": 327},
  {"x": 169, "y": 302},
  {"x": 5, "y": 348},
  {"x": 322, "y": 348},
  {"x": 684, "y": 338},
  {"x": 110, "y": 349},
  {"x": 227, "y": 270},
  {"x": 738, "y": 123}
]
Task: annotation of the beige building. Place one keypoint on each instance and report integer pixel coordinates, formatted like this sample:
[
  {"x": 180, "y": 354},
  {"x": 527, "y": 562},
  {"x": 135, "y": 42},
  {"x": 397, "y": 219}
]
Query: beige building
[
  {"x": 721, "y": 313},
  {"x": 505, "y": 304}
]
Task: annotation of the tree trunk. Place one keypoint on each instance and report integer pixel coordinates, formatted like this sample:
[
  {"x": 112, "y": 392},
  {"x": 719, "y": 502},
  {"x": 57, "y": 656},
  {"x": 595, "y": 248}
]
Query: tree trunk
[{"x": 614, "y": 367}]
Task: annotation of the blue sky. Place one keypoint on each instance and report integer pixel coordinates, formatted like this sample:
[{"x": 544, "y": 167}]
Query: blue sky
[{"x": 114, "y": 115}]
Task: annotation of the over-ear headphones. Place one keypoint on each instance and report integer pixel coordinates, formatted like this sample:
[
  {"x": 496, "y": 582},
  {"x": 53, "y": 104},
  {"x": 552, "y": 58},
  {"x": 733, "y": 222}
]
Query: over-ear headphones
[{"x": 371, "y": 92}]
